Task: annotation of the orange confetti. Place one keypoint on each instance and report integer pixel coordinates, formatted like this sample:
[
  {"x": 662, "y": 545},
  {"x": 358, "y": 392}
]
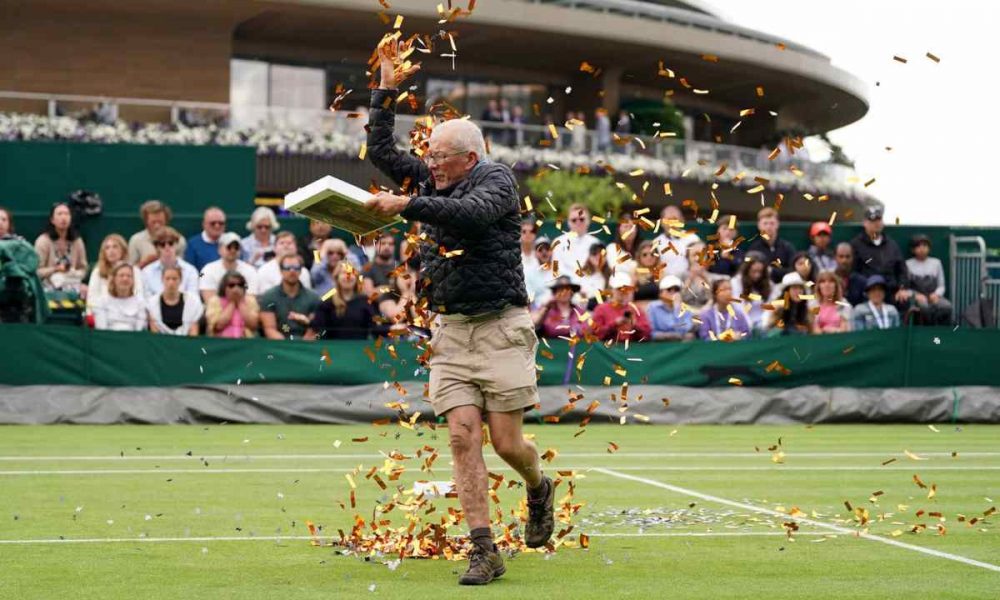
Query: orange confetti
[{"x": 612, "y": 447}]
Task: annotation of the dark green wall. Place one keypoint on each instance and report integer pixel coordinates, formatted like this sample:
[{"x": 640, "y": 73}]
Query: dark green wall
[{"x": 33, "y": 175}]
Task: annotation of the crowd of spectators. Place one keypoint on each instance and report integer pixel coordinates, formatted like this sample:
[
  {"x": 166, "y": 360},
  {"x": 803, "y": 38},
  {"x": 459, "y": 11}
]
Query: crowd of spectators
[
  {"x": 660, "y": 281},
  {"x": 655, "y": 281}
]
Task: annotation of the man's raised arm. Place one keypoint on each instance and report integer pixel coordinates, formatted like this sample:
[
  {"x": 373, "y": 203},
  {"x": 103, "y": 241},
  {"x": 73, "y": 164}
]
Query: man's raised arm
[{"x": 399, "y": 166}]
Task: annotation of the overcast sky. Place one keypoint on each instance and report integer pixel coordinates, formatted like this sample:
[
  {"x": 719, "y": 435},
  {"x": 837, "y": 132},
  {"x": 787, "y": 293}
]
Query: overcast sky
[{"x": 940, "y": 119}]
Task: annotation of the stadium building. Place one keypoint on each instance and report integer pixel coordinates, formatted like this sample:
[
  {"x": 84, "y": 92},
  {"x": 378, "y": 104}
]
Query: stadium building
[{"x": 280, "y": 64}]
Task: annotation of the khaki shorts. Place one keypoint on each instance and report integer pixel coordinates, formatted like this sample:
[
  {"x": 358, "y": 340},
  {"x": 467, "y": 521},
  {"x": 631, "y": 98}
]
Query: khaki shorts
[{"x": 486, "y": 361}]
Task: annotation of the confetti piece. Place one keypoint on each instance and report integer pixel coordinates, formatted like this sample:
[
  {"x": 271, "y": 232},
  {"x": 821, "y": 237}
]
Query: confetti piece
[
  {"x": 735, "y": 381},
  {"x": 760, "y": 91},
  {"x": 933, "y": 428},
  {"x": 912, "y": 456},
  {"x": 398, "y": 23},
  {"x": 869, "y": 182},
  {"x": 932, "y": 57},
  {"x": 918, "y": 481},
  {"x": 363, "y": 151},
  {"x": 899, "y": 59},
  {"x": 888, "y": 462},
  {"x": 612, "y": 447}
]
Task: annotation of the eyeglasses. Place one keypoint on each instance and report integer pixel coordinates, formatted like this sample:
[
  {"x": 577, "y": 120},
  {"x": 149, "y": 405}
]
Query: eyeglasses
[
  {"x": 673, "y": 289},
  {"x": 264, "y": 226},
  {"x": 162, "y": 244},
  {"x": 291, "y": 267},
  {"x": 233, "y": 246},
  {"x": 335, "y": 253},
  {"x": 235, "y": 284},
  {"x": 216, "y": 223},
  {"x": 578, "y": 220},
  {"x": 437, "y": 157}
]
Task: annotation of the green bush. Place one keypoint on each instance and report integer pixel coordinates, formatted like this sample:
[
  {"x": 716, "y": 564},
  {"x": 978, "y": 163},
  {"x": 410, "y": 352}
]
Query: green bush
[{"x": 563, "y": 188}]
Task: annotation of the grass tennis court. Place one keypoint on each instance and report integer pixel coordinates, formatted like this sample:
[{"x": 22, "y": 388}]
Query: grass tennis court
[{"x": 682, "y": 512}]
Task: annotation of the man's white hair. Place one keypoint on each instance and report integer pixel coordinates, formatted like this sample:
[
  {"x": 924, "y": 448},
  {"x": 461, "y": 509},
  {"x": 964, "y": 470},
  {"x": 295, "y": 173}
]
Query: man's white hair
[{"x": 462, "y": 135}]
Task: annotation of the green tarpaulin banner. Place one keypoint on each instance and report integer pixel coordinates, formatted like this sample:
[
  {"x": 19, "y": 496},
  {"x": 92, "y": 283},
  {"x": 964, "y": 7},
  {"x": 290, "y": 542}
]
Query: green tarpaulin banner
[{"x": 906, "y": 357}]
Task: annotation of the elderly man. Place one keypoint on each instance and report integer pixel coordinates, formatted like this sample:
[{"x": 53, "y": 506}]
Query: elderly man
[
  {"x": 483, "y": 348},
  {"x": 877, "y": 254},
  {"x": 203, "y": 248}
]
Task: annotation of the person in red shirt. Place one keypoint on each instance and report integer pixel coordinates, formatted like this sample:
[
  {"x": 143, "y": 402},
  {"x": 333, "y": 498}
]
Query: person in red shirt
[{"x": 620, "y": 319}]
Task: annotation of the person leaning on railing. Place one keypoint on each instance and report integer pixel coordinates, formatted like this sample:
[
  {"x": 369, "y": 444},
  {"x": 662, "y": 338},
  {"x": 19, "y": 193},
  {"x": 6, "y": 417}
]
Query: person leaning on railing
[{"x": 232, "y": 313}]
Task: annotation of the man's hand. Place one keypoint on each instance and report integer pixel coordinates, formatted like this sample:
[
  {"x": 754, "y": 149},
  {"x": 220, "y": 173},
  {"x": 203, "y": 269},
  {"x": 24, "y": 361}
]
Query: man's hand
[
  {"x": 388, "y": 54},
  {"x": 387, "y": 204},
  {"x": 902, "y": 295},
  {"x": 934, "y": 298}
]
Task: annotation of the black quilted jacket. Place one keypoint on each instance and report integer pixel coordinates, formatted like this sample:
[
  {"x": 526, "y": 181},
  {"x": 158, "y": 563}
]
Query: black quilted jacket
[{"x": 480, "y": 217}]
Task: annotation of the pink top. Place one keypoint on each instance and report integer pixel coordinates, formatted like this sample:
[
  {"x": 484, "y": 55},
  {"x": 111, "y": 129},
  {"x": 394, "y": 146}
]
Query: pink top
[
  {"x": 828, "y": 317},
  {"x": 236, "y": 325}
]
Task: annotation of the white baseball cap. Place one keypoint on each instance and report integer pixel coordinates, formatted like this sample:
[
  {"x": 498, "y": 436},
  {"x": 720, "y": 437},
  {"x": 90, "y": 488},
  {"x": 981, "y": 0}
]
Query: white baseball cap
[
  {"x": 620, "y": 280},
  {"x": 670, "y": 281},
  {"x": 228, "y": 238}
]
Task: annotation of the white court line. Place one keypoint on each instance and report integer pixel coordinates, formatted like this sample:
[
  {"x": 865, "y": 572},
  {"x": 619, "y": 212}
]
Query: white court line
[
  {"x": 281, "y": 538},
  {"x": 813, "y": 522},
  {"x": 236, "y": 471},
  {"x": 233, "y": 457}
]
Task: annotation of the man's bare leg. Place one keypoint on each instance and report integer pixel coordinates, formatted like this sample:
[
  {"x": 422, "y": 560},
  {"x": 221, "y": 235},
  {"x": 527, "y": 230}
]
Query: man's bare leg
[
  {"x": 510, "y": 445},
  {"x": 465, "y": 432},
  {"x": 519, "y": 453}
]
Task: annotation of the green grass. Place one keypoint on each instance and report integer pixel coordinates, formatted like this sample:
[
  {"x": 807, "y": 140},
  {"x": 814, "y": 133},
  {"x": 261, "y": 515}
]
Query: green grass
[{"x": 177, "y": 496}]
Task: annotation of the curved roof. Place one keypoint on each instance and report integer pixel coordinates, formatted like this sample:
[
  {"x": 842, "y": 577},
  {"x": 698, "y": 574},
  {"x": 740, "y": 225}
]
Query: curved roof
[{"x": 548, "y": 40}]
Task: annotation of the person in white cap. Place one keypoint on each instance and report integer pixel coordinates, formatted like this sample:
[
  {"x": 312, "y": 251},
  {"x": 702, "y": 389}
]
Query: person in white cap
[
  {"x": 229, "y": 260},
  {"x": 791, "y": 314},
  {"x": 668, "y": 318},
  {"x": 620, "y": 319}
]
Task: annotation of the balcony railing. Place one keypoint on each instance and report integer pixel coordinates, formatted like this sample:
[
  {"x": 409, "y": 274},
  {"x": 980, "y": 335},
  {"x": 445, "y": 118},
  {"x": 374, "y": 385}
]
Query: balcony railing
[{"x": 577, "y": 140}]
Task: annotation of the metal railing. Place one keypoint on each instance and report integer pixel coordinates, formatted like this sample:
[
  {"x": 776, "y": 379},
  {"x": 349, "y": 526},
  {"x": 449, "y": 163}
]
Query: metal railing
[
  {"x": 971, "y": 276},
  {"x": 677, "y": 16},
  {"x": 577, "y": 139}
]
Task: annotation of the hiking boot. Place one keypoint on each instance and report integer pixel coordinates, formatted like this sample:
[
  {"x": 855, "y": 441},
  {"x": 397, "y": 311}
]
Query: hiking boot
[
  {"x": 484, "y": 566},
  {"x": 541, "y": 520}
]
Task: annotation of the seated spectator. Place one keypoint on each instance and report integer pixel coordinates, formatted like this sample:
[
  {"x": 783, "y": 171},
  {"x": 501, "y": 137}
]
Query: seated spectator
[
  {"x": 331, "y": 253},
  {"x": 310, "y": 245},
  {"x": 229, "y": 260},
  {"x": 538, "y": 278},
  {"x": 120, "y": 309},
  {"x": 232, "y": 312},
  {"x": 269, "y": 274},
  {"x": 560, "y": 317},
  {"x": 62, "y": 257},
  {"x": 287, "y": 309},
  {"x": 648, "y": 271},
  {"x": 570, "y": 250},
  {"x": 529, "y": 233},
  {"x": 172, "y": 312},
  {"x": 852, "y": 283},
  {"x": 672, "y": 244},
  {"x": 7, "y": 225},
  {"x": 167, "y": 243},
  {"x": 380, "y": 269},
  {"x": 804, "y": 266},
  {"x": 619, "y": 319},
  {"x": 727, "y": 256},
  {"x": 203, "y": 248},
  {"x": 620, "y": 254},
  {"x": 697, "y": 290},
  {"x": 398, "y": 303},
  {"x": 778, "y": 253},
  {"x": 875, "y": 313},
  {"x": 925, "y": 280},
  {"x": 113, "y": 251},
  {"x": 723, "y": 320},
  {"x": 347, "y": 314},
  {"x": 595, "y": 272},
  {"x": 830, "y": 312},
  {"x": 752, "y": 286},
  {"x": 822, "y": 256},
  {"x": 878, "y": 254},
  {"x": 258, "y": 247},
  {"x": 141, "y": 250},
  {"x": 669, "y": 320},
  {"x": 791, "y": 314}
]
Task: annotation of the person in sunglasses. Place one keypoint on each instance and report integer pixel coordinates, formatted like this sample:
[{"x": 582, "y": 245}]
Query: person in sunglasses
[
  {"x": 232, "y": 312},
  {"x": 269, "y": 274},
  {"x": 287, "y": 309},
  {"x": 203, "y": 248},
  {"x": 167, "y": 241},
  {"x": 141, "y": 246}
]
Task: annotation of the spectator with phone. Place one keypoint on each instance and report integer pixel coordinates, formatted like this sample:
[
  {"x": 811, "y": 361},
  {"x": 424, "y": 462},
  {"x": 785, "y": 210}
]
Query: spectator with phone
[
  {"x": 619, "y": 319},
  {"x": 62, "y": 257},
  {"x": 723, "y": 320},
  {"x": 258, "y": 247}
]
